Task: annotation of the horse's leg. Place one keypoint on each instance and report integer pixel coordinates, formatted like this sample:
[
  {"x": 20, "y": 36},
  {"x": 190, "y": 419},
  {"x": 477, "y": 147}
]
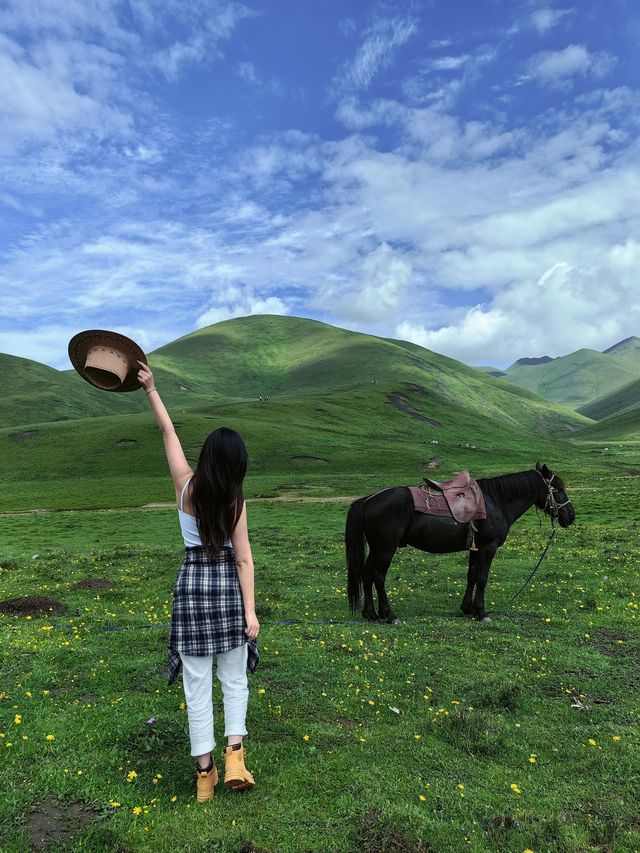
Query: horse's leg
[
  {"x": 472, "y": 576},
  {"x": 369, "y": 610},
  {"x": 485, "y": 555},
  {"x": 379, "y": 570}
]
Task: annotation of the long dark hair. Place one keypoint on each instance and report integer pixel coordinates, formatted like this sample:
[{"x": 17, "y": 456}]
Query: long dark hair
[{"x": 216, "y": 494}]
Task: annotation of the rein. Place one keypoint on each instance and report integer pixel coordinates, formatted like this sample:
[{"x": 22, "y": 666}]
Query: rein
[
  {"x": 554, "y": 509},
  {"x": 535, "y": 569}
]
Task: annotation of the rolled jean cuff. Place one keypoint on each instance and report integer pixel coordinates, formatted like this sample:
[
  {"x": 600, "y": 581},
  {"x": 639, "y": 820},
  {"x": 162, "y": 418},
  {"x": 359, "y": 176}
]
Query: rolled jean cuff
[{"x": 202, "y": 747}]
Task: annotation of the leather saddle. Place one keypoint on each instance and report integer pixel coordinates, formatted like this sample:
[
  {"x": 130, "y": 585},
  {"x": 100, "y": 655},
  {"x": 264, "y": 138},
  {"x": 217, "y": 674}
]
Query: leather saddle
[{"x": 462, "y": 496}]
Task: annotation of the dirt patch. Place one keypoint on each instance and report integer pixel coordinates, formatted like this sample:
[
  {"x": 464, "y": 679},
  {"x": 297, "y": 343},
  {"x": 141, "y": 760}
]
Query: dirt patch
[
  {"x": 55, "y": 824},
  {"x": 502, "y": 823},
  {"x": 431, "y": 463},
  {"x": 376, "y": 837},
  {"x": 309, "y": 459},
  {"x": 404, "y": 405},
  {"x": 127, "y": 441},
  {"x": 27, "y": 433},
  {"x": 610, "y": 636},
  {"x": 347, "y": 723},
  {"x": 95, "y": 583},
  {"x": 32, "y": 605},
  {"x": 248, "y": 847}
]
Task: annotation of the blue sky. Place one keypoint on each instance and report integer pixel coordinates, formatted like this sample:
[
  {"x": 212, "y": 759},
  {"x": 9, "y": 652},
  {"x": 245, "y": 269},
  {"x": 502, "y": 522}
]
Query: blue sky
[{"x": 463, "y": 174}]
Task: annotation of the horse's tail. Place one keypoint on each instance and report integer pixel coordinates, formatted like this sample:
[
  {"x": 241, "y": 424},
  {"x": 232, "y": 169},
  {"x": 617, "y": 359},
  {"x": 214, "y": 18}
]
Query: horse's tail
[{"x": 354, "y": 540}]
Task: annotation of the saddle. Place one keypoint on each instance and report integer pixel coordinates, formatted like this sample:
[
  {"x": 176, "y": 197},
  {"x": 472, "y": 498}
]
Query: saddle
[{"x": 460, "y": 497}]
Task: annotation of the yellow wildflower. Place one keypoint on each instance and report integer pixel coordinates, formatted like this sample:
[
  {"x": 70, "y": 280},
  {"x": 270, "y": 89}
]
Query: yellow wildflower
[
  {"x": 516, "y": 790},
  {"x": 136, "y": 810},
  {"x": 51, "y": 737},
  {"x": 17, "y": 719}
]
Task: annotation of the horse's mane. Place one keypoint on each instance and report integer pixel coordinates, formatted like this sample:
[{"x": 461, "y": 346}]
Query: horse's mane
[{"x": 510, "y": 486}]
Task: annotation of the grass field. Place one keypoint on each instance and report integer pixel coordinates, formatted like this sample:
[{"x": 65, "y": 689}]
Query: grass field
[{"x": 438, "y": 734}]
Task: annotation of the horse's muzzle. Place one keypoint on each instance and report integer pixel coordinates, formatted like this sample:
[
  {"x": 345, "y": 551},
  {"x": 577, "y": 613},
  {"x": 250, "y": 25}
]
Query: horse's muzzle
[{"x": 566, "y": 515}]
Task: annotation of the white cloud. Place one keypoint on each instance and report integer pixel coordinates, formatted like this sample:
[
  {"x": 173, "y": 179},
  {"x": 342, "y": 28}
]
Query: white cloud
[
  {"x": 565, "y": 309},
  {"x": 210, "y": 25},
  {"x": 238, "y": 302},
  {"x": 383, "y": 280},
  {"x": 546, "y": 18},
  {"x": 376, "y": 52},
  {"x": 555, "y": 68}
]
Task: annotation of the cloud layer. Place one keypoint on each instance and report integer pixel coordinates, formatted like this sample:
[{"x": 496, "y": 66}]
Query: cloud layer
[{"x": 471, "y": 189}]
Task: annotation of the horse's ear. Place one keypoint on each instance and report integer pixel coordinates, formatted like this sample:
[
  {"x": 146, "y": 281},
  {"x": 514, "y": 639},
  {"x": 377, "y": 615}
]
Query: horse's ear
[{"x": 538, "y": 466}]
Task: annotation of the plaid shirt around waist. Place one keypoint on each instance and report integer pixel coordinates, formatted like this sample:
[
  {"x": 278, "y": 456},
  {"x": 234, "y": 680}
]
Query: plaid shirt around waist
[{"x": 208, "y": 612}]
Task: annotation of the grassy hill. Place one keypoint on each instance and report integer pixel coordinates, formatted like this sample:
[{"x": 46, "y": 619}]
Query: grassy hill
[
  {"x": 621, "y": 426},
  {"x": 616, "y": 402},
  {"x": 356, "y": 440},
  {"x": 245, "y": 358},
  {"x": 577, "y": 378},
  {"x": 627, "y": 351},
  {"x": 345, "y": 411}
]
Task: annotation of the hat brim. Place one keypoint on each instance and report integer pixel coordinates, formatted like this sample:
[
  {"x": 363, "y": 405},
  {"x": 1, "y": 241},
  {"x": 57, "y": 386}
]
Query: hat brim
[{"x": 81, "y": 343}]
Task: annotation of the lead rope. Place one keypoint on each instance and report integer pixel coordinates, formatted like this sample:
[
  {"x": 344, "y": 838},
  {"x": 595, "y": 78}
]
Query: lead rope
[
  {"x": 535, "y": 569},
  {"x": 554, "y": 507}
]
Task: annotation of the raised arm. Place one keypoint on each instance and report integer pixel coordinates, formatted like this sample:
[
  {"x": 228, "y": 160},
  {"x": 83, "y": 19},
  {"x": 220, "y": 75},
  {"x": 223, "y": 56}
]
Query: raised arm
[
  {"x": 178, "y": 465},
  {"x": 244, "y": 566}
]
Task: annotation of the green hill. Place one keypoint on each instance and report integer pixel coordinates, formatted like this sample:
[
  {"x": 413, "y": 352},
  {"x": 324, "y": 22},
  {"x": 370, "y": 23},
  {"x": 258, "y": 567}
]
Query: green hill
[
  {"x": 356, "y": 440},
  {"x": 245, "y": 358},
  {"x": 622, "y": 426},
  {"x": 614, "y": 403},
  {"x": 35, "y": 392},
  {"x": 343, "y": 407},
  {"x": 575, "y": 379},
  {"x": 627, "y": 351}
]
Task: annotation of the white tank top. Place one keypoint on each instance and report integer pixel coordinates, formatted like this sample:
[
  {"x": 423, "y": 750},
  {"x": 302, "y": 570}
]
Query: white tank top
[{"x": 189, "y": 524}]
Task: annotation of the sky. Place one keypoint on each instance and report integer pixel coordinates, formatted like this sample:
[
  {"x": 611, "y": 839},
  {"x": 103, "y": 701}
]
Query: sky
[{"x": 464, "y": 174}]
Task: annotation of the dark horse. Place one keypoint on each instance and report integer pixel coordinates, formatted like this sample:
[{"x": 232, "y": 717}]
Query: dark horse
[{"x": 387, "y": 520}]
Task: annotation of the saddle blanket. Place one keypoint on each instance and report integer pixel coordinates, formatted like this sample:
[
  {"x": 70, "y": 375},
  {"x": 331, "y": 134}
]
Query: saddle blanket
[{"x": 461, "y": 498}]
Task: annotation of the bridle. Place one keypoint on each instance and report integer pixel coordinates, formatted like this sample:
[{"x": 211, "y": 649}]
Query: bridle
[{"x": 551, "y": 505}]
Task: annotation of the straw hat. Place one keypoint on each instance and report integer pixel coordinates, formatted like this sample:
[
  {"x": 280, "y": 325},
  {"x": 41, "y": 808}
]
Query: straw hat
[{"x": 107, "y": 360}]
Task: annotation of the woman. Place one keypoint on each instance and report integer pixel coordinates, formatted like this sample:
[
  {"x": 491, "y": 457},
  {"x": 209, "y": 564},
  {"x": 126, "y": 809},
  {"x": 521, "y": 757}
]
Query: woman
[{"x": 213, "y": 608}]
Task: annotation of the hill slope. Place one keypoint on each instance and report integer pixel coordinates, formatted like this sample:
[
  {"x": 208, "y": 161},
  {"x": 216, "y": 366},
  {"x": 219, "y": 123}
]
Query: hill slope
[
  {"x": 288, "y": 357},
  {"x": 352, "y": 441},
  {"x": 616, "y": 402},
  {"x": 627, "y": 351},
  {"x": 577, "y": 378}
]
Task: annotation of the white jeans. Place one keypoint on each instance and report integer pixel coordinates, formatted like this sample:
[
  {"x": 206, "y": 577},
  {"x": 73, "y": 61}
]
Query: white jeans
[{"x": 231, "y": 670}]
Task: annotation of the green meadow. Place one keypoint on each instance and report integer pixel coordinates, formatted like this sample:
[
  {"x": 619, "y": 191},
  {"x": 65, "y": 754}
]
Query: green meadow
[{"x": 438, "y": 734}]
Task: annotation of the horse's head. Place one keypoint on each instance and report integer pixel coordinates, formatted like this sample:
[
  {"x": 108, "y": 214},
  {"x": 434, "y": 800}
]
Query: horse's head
[{"x": 552, "y": 498}]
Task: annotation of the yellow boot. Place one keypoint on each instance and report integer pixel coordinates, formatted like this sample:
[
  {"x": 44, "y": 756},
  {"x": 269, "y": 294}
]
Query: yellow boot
[
  {"x": 206, "y": 781},
  {"x": 236, "y": 775}
]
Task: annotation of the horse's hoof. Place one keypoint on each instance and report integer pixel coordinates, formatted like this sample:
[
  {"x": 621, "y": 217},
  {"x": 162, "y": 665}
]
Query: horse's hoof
[{"x": 486, "y": 619}]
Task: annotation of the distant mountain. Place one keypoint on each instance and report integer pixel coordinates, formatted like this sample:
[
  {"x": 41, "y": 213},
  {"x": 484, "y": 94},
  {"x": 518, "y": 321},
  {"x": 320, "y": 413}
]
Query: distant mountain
[
  {"x": 544, "y": 359},
  {"x": 581, "y": 377},
  {"x": 627, "y": 350}
]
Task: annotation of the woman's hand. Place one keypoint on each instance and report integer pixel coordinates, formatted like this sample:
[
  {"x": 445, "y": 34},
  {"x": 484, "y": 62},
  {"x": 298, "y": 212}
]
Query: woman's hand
[
  {"x": 145, "y": 377},
  {"x": 252, "y": 625}
]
